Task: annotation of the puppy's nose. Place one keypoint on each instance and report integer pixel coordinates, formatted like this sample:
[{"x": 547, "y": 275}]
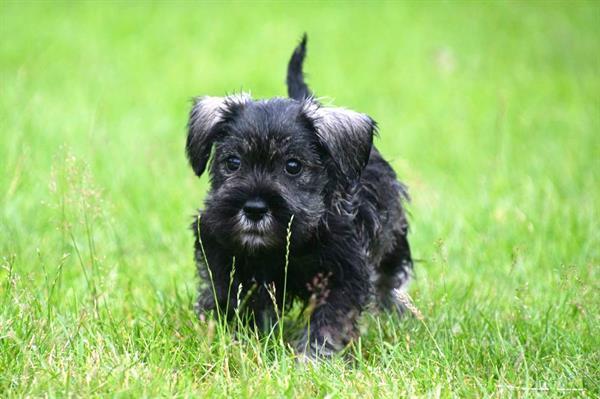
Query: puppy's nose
[{"x": 255, "y": 208}]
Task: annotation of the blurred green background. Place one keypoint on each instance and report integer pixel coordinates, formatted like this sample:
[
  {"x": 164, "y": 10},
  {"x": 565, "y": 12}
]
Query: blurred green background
[{"x": 489, "y": 111}]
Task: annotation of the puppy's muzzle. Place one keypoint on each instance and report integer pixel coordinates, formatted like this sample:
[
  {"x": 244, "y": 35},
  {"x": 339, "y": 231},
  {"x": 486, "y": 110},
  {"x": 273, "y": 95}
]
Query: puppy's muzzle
[{"x": 255, "y": 209}]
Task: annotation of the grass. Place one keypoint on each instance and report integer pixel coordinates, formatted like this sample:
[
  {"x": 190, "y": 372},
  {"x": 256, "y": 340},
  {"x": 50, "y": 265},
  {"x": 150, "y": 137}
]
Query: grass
[{"x": 488, "y": 111}]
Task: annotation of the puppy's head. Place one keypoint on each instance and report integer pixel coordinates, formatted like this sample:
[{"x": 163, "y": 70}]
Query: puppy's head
[{"x": 273, "y": 159}]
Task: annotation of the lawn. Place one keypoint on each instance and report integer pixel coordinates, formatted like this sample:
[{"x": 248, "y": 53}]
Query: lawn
[{"x": 489, "y": 111}]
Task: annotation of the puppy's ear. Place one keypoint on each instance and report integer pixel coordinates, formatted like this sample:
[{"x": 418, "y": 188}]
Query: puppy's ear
[
  {"x": 206, "y": 113},
  {"x": 346, "y": 135}
]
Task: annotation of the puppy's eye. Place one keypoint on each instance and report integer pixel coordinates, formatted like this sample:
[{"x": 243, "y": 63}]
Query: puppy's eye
[
  {"x": 293, "y": 166},
  {"x": 233, "y": 163}
]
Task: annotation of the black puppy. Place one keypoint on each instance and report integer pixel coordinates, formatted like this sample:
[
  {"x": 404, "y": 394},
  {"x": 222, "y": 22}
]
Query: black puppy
[{"x": 292, "y": 179}]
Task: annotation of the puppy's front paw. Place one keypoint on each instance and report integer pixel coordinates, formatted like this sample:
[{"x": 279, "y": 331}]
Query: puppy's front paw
[{"x": 320, "y": 345}]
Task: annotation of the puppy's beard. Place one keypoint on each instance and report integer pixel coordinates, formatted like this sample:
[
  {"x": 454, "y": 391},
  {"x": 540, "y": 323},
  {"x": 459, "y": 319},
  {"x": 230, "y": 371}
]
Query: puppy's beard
[{"x": 254, "y": 235}]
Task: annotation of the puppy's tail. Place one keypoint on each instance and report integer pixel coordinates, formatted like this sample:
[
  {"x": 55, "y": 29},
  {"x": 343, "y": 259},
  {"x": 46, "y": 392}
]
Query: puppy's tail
[{"x": 297, "y": 88}]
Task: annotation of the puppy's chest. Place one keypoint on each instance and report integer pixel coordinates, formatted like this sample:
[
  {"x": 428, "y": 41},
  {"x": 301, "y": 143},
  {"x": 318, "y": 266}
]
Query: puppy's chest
[{"x": 271, "y": 270}]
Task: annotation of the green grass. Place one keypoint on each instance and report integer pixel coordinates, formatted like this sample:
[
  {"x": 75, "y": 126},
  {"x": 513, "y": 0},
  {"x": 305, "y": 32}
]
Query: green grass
[{"x": 489, "y": 111}]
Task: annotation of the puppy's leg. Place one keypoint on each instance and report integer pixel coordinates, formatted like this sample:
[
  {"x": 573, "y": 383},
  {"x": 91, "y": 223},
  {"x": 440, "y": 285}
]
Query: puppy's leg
[
  {"x": 214, "y": 265},
  {"x": 394, "y": 272},
  {"x": 332, "y": 326},
  {"x": 218, "y": 291},
  {"x": 333, "y": 323}
]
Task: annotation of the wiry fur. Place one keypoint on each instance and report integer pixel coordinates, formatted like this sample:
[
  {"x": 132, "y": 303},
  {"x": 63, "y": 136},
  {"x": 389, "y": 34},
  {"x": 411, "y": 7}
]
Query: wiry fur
[{"x": 349, "y": 229}]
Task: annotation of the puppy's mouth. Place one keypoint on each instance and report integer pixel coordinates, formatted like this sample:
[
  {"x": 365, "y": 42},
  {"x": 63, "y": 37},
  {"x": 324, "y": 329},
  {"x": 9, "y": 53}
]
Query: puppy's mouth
[{"x": 254, "y": 235}]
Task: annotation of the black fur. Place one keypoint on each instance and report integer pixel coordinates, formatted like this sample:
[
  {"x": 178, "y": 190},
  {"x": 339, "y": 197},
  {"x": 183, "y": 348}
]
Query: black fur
[
  {"x": 348, "y": 242},
  {"x": 297, "y": 88}
]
